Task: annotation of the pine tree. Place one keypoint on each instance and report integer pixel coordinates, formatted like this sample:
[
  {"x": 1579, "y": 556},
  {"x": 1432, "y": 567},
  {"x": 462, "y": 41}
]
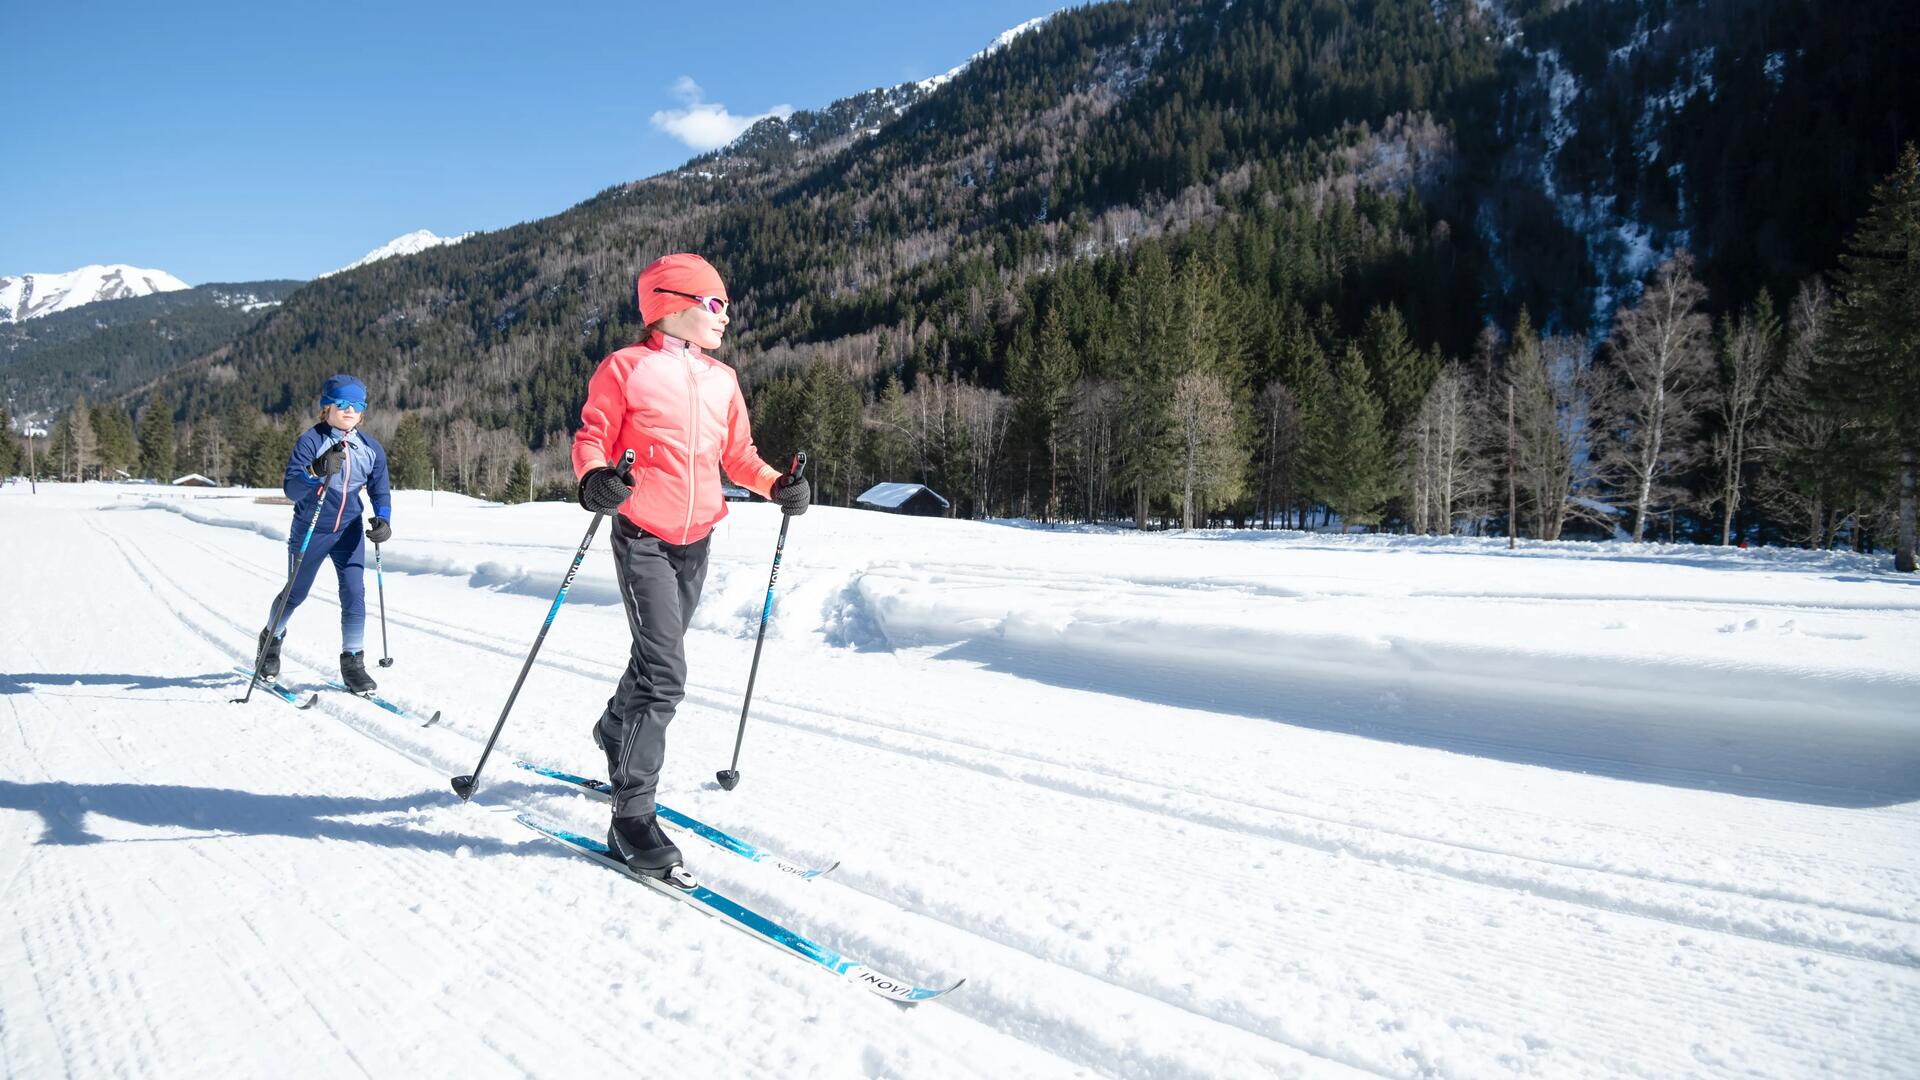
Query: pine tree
[
  {"x": 1349, "y": 440},
  {"x": 409, "y": 456},
  {"x": 520, "y": 480},
  {"x": 829, "y": 431},
  {"x": 1151, "y": 340},
  {"x": 888, "y": 432},
  {"x": 156, "y": 440},
  {"x": 113, "y": 439},
  {"x": 1311, "y": 380},
  {"x": 1401, "y": 372},
  {"x": 11, "y": 456},
  {"x": 1804, "y": 471},
  {"x": 1874, "y": 359},
  {"x": 1043, "y": 393}
]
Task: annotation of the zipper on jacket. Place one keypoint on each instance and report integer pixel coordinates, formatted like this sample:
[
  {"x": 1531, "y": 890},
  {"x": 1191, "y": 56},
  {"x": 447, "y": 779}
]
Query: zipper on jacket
[
  {"x": 346, "y": 478},
  {"x": 693, "y": 436}
]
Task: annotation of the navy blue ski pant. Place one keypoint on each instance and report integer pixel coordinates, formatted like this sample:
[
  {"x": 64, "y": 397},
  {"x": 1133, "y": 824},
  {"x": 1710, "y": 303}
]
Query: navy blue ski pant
[{"x": 348, "y": 551}]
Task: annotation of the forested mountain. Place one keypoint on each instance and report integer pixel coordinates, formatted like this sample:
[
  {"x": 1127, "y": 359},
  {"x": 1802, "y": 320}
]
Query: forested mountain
[
  {"x": 107, "y": 348},
  {"x": 1256, "y": 211}
]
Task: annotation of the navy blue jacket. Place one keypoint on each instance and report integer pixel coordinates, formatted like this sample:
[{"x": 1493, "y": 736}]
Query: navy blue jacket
[{"x": 339, "y": 498}]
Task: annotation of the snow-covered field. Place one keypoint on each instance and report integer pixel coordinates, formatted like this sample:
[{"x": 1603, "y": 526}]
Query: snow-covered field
[{"x": 1174, "y": 805}]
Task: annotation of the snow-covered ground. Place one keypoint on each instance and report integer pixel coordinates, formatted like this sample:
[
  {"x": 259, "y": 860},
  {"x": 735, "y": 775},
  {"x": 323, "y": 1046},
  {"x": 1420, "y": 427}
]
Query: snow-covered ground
[{"x": 1175, "y": 805}]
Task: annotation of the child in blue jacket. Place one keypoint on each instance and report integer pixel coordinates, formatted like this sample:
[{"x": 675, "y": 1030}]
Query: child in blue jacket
[{"x": 331, "y": 465}]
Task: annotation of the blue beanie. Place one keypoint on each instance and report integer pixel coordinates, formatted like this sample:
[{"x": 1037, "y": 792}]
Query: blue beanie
[{"x": 343, "y": 388}]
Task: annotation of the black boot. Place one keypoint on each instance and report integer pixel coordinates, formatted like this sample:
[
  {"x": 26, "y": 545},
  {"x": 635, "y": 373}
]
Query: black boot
[
  {"x": 353, "y": 672},
  {"x": 643, "y": 846},
  {"x": 269, "y": 656}
]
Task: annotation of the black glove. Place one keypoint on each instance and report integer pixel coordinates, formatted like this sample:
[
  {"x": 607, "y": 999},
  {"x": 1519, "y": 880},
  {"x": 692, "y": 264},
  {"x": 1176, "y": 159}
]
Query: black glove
[
  {"x": 328, "y": 463},
  {"x": 602, "y": 490},
  {"x": 793, "y": 493},
  {"x": 379, "y": 531}
]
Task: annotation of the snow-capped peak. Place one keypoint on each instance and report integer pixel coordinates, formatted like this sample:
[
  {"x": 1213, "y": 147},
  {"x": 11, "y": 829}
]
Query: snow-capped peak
[
  {"x": 30, "y": 296},
  {"x": 997, "y": 44},
  {"x": 411, "y": 244}
]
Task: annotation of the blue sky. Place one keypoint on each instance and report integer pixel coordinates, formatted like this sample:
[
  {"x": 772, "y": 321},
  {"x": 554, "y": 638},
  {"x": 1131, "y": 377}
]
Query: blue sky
[{"x": 230, "y": 142}]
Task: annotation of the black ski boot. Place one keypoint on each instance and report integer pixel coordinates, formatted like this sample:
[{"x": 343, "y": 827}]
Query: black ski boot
[
  {"x": 353, "y": 672},
  {"x": 639, "y": 842},
  {"x": 269, "y": 656}
]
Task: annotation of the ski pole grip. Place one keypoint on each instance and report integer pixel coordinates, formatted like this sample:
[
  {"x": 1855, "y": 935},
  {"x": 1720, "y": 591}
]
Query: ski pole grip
[{"x": 799, "y": 464}]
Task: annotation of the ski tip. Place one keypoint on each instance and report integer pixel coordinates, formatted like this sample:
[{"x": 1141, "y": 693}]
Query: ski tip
[
  {"x": 432, "y": 720},
  {"x": 311, "y": 702},
  {"x": 830, "y": 869}
]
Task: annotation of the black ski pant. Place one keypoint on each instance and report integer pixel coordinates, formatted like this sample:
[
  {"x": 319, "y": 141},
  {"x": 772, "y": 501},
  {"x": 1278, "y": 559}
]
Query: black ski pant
[{"x": 660, "y": 586}]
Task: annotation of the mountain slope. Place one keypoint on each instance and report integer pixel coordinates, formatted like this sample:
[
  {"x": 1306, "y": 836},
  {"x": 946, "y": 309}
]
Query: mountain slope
[
  {"x": 900, "y": 212},
  {"x": 1454, "y": 159},
  {"x": 110, "y": 347},
  {"x": 33, "y": 296},
  {"x": 410, "y": 244}
]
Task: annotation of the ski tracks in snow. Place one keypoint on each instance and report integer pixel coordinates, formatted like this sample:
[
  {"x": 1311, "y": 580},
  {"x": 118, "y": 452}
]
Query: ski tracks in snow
[{"x": 1359, "y": 945}]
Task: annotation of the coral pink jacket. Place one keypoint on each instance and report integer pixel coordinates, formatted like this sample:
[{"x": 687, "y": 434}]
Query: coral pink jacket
[{"x": 681, "y": 413}]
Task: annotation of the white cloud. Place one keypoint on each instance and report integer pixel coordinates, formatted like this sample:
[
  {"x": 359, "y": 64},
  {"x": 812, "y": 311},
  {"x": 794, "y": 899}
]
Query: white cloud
[{"x": 707, "y": 125}]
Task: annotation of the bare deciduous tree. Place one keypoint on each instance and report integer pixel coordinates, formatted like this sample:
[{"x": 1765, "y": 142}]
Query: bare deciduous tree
[
  {"x": 1550, "y": 382},
  {"x": 1447, "y": 472},
  {"x": 1747, "y": 360},
  {"x": 1658, "y": 376},
  {"x": 1096, "y": 403},
  {"x": 1279, "y": 457},
  {"x": 1210, "y": 454}
]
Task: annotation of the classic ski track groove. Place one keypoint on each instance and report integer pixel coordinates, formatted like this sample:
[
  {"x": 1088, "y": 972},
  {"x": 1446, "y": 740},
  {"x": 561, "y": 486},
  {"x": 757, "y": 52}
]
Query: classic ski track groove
[
  {"x": 525, "y": 954},
  {"x": 968, "y": 1005},
  {"x": 1752, "y": 927},
  {"x": 874, "y": 946},
  {"x": 1147, "y": 984}
]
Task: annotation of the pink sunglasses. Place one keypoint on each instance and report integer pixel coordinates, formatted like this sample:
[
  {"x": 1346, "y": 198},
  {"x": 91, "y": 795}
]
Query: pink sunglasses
[{"x": 714, "y": 304}]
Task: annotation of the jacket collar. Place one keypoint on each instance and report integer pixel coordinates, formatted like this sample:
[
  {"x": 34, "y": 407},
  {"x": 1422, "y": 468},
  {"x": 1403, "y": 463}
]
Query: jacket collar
[{"x": 665, "y": 342}]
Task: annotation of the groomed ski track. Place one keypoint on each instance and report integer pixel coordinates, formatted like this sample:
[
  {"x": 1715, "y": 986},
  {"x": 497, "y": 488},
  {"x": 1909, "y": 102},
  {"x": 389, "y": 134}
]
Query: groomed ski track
[{"x": 1133, "y": 887}]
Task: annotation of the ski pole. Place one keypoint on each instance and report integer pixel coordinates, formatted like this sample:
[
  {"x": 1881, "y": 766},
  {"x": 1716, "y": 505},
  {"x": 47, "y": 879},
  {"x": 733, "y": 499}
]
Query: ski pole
[
  {"x": 279, "y": 604},
  {"x": 380, "y": 581},
  {"x": 730, "y": 776},
  {"x": 463, "y": 786}
]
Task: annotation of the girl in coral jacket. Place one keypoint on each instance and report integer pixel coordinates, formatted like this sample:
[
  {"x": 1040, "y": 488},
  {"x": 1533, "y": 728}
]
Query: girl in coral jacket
[
  {"x": 681, "y": 413},
  {"x": 332, "y": 464}
]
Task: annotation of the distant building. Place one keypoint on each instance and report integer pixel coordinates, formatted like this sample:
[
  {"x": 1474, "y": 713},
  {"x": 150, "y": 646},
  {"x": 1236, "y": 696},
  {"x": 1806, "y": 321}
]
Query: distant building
[
  {"x": 916, "y": 499},
  {"x": 193, "y": 479}
]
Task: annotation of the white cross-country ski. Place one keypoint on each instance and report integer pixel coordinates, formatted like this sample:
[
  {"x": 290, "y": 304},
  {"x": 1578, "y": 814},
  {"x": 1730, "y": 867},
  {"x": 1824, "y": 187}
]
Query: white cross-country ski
[{"x": 685, "y": 888}]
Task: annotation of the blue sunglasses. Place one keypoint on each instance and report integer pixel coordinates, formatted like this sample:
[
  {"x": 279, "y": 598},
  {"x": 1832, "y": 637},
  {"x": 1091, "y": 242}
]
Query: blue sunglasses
[{"x": 346, "y": 403}]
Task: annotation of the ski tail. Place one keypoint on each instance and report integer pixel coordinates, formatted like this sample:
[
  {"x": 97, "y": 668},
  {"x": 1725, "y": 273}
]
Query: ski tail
[{"x": 747, "y": 920}]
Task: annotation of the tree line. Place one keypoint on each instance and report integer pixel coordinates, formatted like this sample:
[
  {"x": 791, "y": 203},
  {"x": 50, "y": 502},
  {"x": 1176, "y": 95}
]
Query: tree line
[{"x": 1212, "y": 379}]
